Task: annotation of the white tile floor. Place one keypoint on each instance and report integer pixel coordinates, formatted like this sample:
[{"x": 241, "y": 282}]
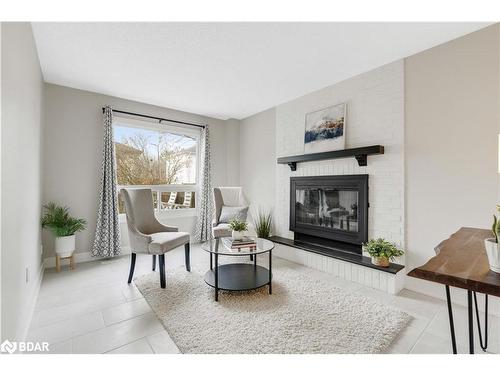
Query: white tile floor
[{"x": 93, "y": 310}]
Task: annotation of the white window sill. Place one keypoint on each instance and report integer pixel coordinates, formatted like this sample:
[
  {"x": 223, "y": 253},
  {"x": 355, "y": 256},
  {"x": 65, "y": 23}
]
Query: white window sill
[{"x": 165, "y": 214}]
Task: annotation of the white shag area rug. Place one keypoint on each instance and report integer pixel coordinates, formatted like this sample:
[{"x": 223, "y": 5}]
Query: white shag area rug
[{"x": 303, "y": 315}]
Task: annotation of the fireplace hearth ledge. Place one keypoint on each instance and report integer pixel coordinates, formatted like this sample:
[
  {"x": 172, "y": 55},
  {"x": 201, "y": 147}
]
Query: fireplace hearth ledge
[{"x": 349, "y": 266}]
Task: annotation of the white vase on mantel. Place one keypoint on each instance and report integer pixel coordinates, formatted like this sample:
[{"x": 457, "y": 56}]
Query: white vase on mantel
[
  {"x": 236, "y": 235},
  {"x": 493, "y": 254}
]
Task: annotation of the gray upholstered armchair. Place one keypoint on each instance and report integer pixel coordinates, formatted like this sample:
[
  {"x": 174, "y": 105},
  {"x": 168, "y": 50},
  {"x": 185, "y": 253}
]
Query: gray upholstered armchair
[
  {"x": 147, "y": 235},
  {"x": 230, "y": 197}
]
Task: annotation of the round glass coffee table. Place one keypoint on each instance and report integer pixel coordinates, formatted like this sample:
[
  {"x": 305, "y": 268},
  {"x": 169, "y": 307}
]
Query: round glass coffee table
[{"x": 238, "y": 276}]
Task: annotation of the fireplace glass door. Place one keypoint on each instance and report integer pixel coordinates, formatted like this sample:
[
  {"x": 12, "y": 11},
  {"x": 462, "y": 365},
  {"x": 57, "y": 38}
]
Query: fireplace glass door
[
  {"x": 327, "y": 208},
  {"x": 330, "y": 208}
]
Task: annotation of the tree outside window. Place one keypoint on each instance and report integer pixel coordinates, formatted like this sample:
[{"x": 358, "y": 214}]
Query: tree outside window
[{"x": 158, "y": 158}]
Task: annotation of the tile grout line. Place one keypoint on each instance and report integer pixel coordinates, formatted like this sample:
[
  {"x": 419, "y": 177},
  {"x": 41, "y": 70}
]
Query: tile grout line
[
  {"x": 131, "y": 342},
  {"x": 98, "y": 329},
  {"x": 423, "y": 331},
  {"x": 86, "y": 313},
  {"x": 149, "y": 343}
]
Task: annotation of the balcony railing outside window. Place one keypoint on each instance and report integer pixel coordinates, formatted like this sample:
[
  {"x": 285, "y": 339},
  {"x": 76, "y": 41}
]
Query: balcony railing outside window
[{"x": 166, "y": 197}]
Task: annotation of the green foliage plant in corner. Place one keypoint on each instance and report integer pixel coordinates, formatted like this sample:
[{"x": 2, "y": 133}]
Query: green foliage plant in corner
[{"x": 59, "y": 222}]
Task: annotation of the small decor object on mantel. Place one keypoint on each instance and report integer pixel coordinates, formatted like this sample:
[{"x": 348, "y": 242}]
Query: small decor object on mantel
[
  {"x": 491, "y": 245},
  {"x": 64, "y": 227},
  {"x": 325, "y": 130},
  {"x": 382, "y": 251},
  {"x": 238, "y": 228}
]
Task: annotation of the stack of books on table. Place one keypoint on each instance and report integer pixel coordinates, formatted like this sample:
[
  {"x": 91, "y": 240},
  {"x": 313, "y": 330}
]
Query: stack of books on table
[{"x": 245, "y": 242}]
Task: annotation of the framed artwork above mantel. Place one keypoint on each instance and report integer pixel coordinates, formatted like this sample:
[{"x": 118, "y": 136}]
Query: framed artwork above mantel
[{"x": 325, "y": 129}]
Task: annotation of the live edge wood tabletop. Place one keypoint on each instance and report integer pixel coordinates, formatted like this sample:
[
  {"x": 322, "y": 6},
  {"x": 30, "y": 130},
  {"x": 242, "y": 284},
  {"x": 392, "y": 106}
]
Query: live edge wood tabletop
[{"x": 461, "y": 262}]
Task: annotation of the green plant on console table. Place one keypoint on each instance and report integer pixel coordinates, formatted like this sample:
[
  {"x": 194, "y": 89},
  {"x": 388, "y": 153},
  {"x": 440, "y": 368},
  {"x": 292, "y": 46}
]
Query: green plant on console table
[{"x": 495, "y": 227}]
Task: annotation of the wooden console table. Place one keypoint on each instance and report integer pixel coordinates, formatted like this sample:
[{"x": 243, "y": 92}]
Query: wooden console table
[{"x": 461, "y": 262}]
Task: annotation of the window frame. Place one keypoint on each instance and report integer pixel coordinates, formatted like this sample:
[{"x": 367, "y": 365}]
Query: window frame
[{"x": 158, "y": 189}]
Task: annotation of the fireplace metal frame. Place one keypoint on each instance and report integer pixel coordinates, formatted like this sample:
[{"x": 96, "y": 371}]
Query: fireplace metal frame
[{"x": 358, "y": 182}]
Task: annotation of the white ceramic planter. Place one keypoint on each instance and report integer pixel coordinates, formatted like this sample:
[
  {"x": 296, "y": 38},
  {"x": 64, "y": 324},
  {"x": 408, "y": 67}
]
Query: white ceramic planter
[
  {"x": 65, "y": 246},
  {"x": 493, "y": 254},
  {"x": 237, "y": 235}
]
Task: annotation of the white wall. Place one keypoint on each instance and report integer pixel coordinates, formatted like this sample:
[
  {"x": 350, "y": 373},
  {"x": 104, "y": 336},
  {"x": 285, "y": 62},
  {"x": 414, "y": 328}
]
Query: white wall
[
  {"x": 258, "y": 159},
  {"x": 452, "y": 125},
  {"x": 73, "y": 148},
  {"x": 232, "y": 152},
  {"x": 22, "y": 118},
  {"x": 375, "y": 115}
]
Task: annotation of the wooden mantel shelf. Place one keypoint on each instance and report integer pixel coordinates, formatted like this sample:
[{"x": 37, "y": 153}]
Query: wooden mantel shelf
[{"x": 360, "y": 153}]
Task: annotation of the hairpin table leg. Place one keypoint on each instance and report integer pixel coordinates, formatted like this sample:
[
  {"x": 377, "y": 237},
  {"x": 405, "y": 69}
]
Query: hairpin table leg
[
  {"x": 470, "y": 315},
  {"x": 485, "y": 344},
  {"x": 450, "y": 316}
]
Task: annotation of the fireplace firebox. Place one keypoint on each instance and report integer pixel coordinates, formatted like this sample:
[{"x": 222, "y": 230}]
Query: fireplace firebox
[{"x": 330, "y": 211}]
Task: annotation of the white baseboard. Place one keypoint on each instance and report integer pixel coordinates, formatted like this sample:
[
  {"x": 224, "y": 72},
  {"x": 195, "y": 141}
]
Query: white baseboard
[
  {"x": 30, "y": 308},
  {"x": 81, "y": 257}
]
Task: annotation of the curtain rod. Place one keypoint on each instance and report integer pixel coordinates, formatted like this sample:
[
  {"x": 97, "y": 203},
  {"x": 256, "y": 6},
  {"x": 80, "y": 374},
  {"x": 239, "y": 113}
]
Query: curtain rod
[{"x": 155, "y": 118}]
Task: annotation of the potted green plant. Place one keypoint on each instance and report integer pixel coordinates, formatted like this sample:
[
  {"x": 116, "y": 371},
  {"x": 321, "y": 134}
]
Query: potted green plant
[
  {"x": 63, "y": 226},
  {"x": 238, "y": 227},
  {"x": 262, "y": 222},
  {"x": 491, "y": 245},
  {"x": 382, "y": 251}
]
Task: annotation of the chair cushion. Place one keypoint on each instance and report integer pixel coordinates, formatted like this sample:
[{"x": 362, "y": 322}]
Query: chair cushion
[
  {"x": 166, "y": 241},
  {"x": 221, "y": 230},
  {"x": 229, "y": 213}
]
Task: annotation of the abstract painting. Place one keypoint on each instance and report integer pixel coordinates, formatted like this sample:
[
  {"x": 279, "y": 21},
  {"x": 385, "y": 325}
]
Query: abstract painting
[{"x": 325, "y": 130}]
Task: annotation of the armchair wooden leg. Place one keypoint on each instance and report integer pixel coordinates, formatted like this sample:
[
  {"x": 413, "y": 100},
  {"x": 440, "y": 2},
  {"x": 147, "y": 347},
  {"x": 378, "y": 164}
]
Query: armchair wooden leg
[
  {"x": 58, "y": 263},
  {"x": 154, "y": 262},
  {"x": 186, "y": 253},
  {"x": 132, "y": 267},
  {"x": 161, "y": 263}
]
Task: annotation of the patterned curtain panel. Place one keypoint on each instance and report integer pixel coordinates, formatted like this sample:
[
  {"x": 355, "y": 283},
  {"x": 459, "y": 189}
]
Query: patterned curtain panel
[
  {"x": 206, "y": 204},
  {"x": 107, "y": 232}
]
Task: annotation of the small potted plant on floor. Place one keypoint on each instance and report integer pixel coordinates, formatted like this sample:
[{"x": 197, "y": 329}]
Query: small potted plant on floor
[
  {"x": 63, "y": 226},
  {"x": 238, "y": 227},
  {"x": 382, "y": 251},
  {"x": 263, "y": 223},
  {"x": 491, "y": 245}
]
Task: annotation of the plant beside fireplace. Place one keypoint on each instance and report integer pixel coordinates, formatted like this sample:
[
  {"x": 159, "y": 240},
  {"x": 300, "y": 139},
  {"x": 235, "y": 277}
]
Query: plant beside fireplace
[
  {"x": 238, "y": 227},
  {"x": 263, "y": 222},
  {"x": 382, "y": 251}
]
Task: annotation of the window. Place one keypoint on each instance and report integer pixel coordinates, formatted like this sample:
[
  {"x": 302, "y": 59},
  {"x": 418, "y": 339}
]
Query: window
[{"x": 158, "y": 156}]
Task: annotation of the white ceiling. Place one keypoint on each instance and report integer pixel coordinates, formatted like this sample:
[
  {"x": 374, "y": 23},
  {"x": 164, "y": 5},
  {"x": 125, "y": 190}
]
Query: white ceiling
[{"x": 225, "y": 70}]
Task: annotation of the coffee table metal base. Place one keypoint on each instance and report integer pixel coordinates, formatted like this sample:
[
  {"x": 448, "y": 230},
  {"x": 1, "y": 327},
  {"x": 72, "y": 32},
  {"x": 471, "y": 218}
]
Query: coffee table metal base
[{"x": 238, "y": 277}]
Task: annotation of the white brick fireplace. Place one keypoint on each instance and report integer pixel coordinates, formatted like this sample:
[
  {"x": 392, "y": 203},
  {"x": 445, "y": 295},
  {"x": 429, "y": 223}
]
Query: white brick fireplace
[{"x": 375, "y": 115}]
